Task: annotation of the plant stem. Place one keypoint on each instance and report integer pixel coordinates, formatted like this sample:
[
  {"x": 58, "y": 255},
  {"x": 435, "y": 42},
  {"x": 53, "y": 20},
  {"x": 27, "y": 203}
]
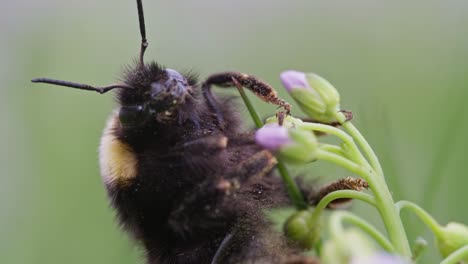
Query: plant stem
[
  {"x": 354, "y": 153},
  {"x": 253, "y": 113},
  {"x": 340, "y": 195},
  {"x": 383, "y": 199},
  {"x": 457, "y": 256},
  {"x": 389, "y": 214},
  {"x": 426, "y": 218},
  {"x": 337, "y": 229},
  {"x": 333, "y": 149},
  {"x": 361, "y": 141},
  {"x": 420, "y": 245},
  {"x": 293, "y": 191},
  {"x": 343, "y": 162},
  {"x": 328, "y": 130}
]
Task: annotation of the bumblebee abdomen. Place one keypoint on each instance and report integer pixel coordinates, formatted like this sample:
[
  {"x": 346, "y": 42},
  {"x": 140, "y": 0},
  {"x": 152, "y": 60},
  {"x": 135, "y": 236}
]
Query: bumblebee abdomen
[{"x": 118, "y": 161}]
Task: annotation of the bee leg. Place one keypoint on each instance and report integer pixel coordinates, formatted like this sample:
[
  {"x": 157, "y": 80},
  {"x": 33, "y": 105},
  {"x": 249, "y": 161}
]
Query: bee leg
[
  {"x": 201, "y": 147},
  {"x": 222, "y": 247},
  {"x": 243, "y": 139},
  {"x": 205, "y": 144},
  {"x": 215, "y": 142},
  {"x": 197, "y": 212},
  {"x": 314, "y": 195},
  {"x": 253, "y": 238},
  {"x": 299, "y": 259},
  {"x": 200, "y": 209},
  {"x": 255, "y": 166},
  {"x": 228, "y": 79}
]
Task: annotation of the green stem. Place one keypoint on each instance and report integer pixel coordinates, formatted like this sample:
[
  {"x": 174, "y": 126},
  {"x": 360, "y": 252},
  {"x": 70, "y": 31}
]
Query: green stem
[
  {"x": 328, "y": 130},
  {"x": 343, "y": 162},
  {"x": 426, "y": 218},
  {"x": 253, "y": 113},
  {"x": 361, "y": 141},
  {"x": 348, "y": 194},
  {"x": 354, "y": 153},
  {"x": 333, "y": 149},
  {"x": 337, "y": 228},
  {"x": 375, "y": 178},
  {"x": 457, "y": 256},
  {"x": 294, "y": 193},
  {"x": 383, "y": 199},
  {"x": 420, "y": 245},
  {"x": 389, "y": 214}
]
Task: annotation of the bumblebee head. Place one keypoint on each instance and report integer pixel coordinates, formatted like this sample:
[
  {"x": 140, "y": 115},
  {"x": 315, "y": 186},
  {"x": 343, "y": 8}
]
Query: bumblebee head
[
  {"x": 158, "y": 95},
  {"x": 168, "y": 92},
  {"x": 148, "y": 92}
]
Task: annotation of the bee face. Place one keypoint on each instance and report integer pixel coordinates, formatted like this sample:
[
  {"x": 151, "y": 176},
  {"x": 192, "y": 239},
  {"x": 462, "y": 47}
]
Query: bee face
[{"x": 155, "y": 100}]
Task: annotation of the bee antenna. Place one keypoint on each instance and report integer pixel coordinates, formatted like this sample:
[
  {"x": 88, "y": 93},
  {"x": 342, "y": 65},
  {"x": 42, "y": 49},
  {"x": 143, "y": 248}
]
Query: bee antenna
[
  {"x": 144, "y": 42},
  {"x": 99, "y": 89}
]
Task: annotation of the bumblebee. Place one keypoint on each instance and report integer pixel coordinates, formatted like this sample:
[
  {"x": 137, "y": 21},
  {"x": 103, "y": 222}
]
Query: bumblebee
[{"x": 186, "y": 182}]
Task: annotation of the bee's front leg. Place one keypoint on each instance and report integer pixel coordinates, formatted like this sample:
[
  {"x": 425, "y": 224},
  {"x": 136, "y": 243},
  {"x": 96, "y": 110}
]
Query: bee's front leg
[{"x": 232, "y": 79}]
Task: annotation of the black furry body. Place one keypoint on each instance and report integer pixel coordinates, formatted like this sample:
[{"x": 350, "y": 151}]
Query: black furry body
[
  {"x": 187, "y": 183},
  {"x": 188, "y": 197}
]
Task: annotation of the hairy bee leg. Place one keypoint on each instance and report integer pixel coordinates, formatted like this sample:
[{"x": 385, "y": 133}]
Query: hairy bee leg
[
  {"x": 218, "y": 200},
  {"x": 247, "y": 138},
  {"x": 228, "y": 79},
  {"x": 254, "y": 240},
  {"x": 219, "y": 252},
  {"x": 255, "y": 166},
  {"x": 298, "y": 259},
  {"x": 197, "y": 211},
  {"x": 204, "y": 144},
  {"x": 315, "y": 195},
  {"x": 199, "y": 208}
]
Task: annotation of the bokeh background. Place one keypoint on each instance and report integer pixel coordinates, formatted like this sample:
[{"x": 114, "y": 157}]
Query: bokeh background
[{"x": 401, "y": 67}]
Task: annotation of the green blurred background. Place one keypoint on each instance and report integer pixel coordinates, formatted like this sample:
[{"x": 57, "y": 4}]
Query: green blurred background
[{"x": 401, "y": 67}]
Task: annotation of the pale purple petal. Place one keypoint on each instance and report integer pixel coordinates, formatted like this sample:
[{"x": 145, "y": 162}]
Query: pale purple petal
[
  {"x": 294, "y": 80},
  {"x": 272, "y": 136},
  {"x": 380, "y": 258}
]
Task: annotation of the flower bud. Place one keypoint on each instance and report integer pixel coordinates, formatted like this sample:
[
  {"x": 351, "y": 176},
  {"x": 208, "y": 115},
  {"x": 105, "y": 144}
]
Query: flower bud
[
  {"x": 272, "y": 136},
  {"x": 325, "y": 89},
  {"x": 300, "y": 228},
  {"x": 294, "y": 80},
  {"x": 298, "y": 225},
  {"x": 452, "y": 237},
  {"x": 292, "y": 145},
  {"x": 302, "y": 150},
  {"x": 315, "y": 95}
]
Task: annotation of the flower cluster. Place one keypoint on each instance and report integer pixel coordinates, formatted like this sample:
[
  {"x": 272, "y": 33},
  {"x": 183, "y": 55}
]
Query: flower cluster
[{"x": 295, "y": 141}]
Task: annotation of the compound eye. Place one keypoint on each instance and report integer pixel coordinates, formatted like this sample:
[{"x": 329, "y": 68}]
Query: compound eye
[
  {"x": 132, "y": 115},
  {"x": 174, "y": 75}
]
